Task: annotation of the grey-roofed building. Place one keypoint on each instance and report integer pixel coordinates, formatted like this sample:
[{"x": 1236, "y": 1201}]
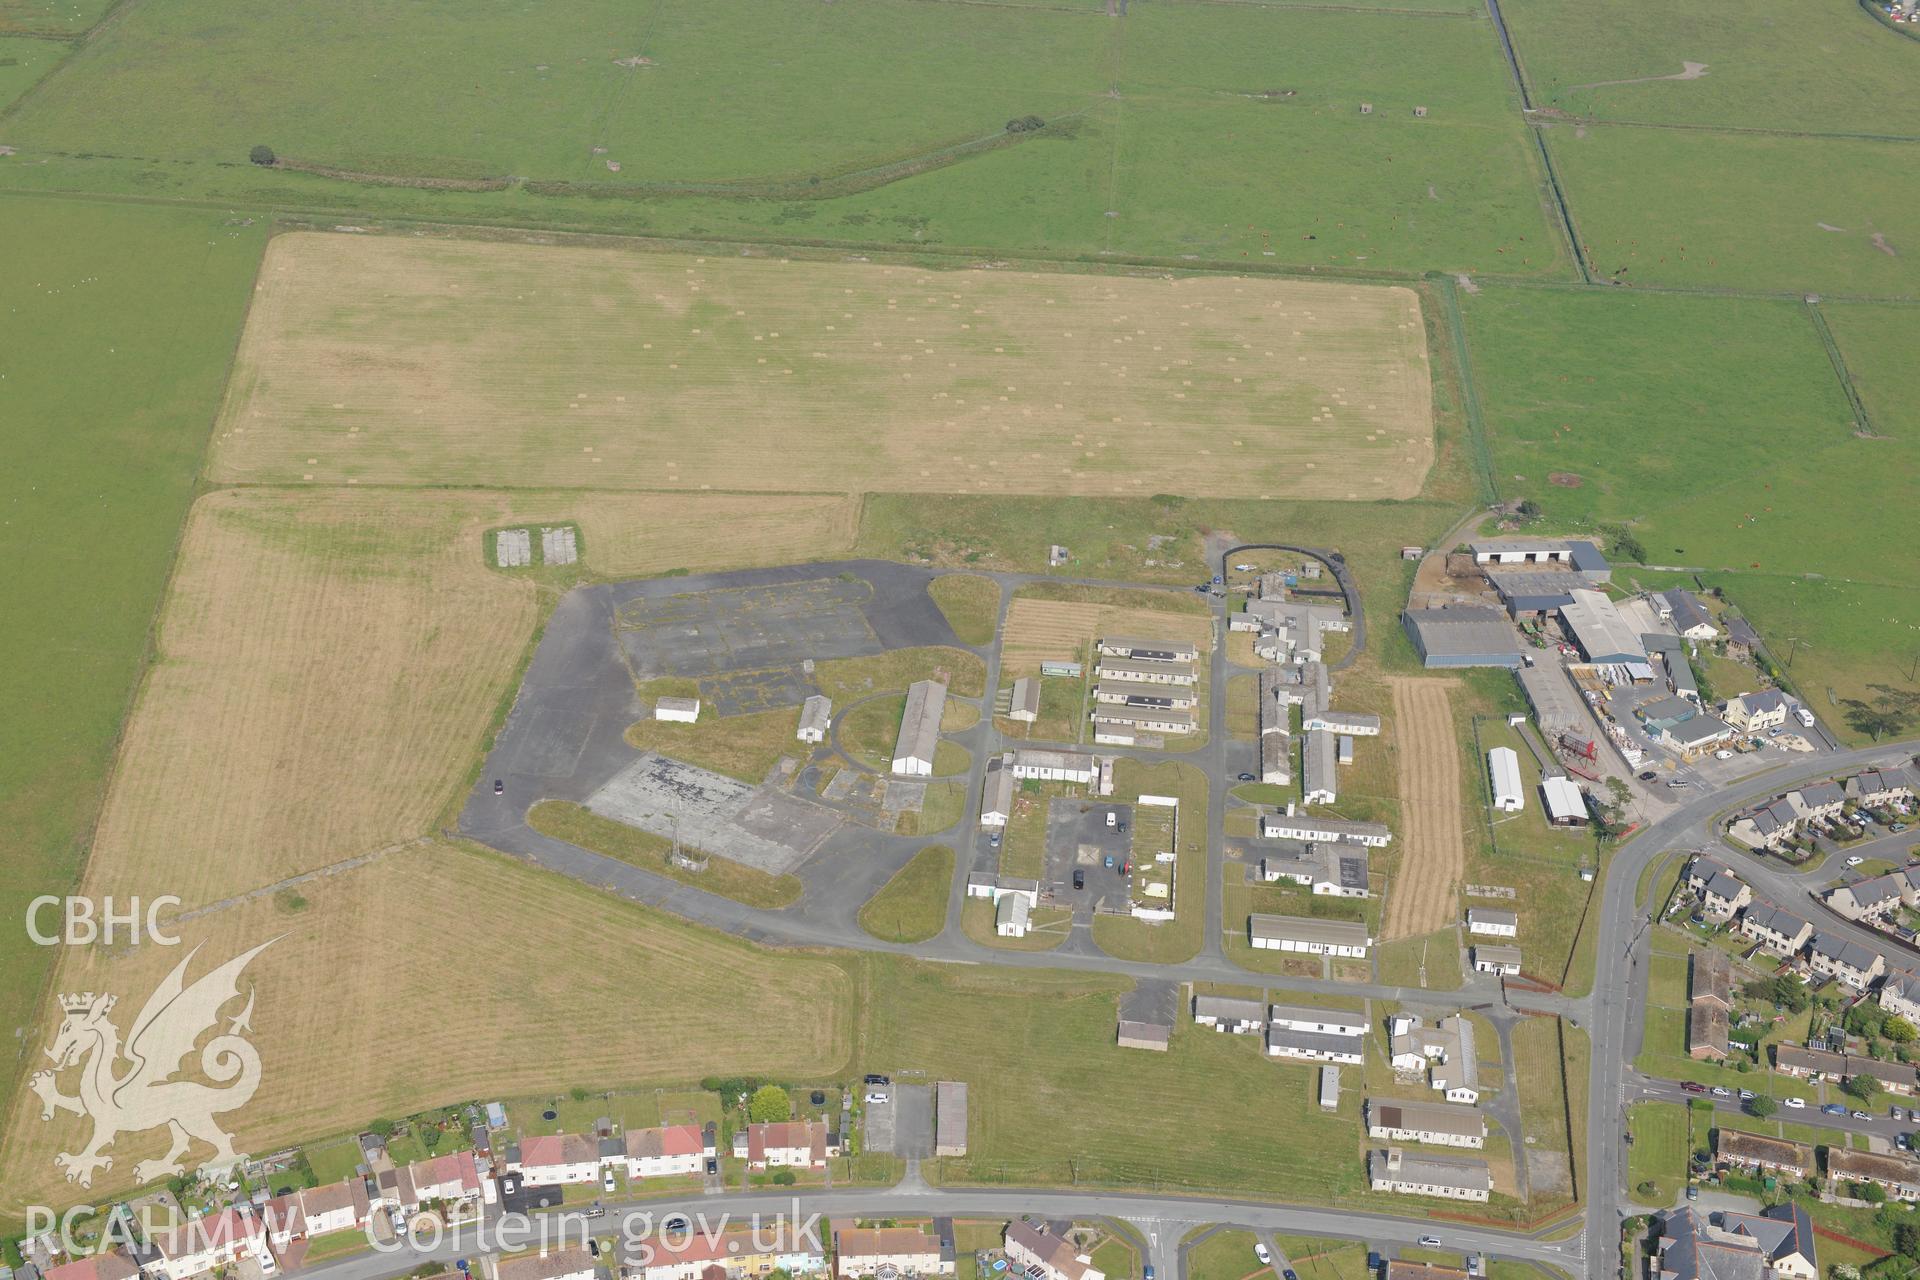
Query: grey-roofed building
[
  {"x": 1148, "y": 650},
  {"x": 1363, "y": 724},
  {"x": 1314, "y": 1046},
  {"x": 1688, "y": 617},
  {"x": 1053, "y": 766},
  {"x": 1741, "y": 637},
  {"x": 1463, "y": 636},
  {"x": 1143, "y": 670},
  {"x": 1757, "y": 712},
  {"x": 1318, "y": 767},
  {"x": 1785, "y": 1235},
  {"x": 1143, "y": 694},
  {"x": 1691, "y": 1248},
  {"x": 950, "y": 1118},
  {"x": 1329, "y": 870},
  {"x": 1832, "y": 956},
  {"x": 1493, "y": 922},
  {"x": 1229, "y": 1013},
  {"x": 1521, "y": 551},
  {"x": 1798, "y": 1060},
  {"x": 1588, "y": 562},
  {"x": 1900, "y": 995},
  {"x": 1597, "y": 628},
  {"x": 1818, "y": 800},
  {"x": 1299, "y": 826},
  {"x": 1556, "y": 704},
  {"x": 1308, "y": 936},
  {"x": 1722, "y": 894},
  {"x": 996, "y": 796},
  {"x": 1444, "y": 1124},
  {"x": 1493, "y": 958},
  {"x": 1871, "y": 899},
  {"x": 919, "y": 738},
  {"x": 1306, "y": 1017},
  {"x": 1276, "y": 758},
  {"x": 1877, "y": 786},
  {"x": 816, "y": 715},
  {"x": 1012, "y": 915},
  {"x": 1529, "y": 593},
  {"x": 1775, "y": 928},
  {"x": 1690, "y": 737},
  {"x": 1143, "y": 1035},
  {"x": 1416, "y": 1173},
  {"x": 1136, "y": 715},
  {"x": 1024, "y": 704}
]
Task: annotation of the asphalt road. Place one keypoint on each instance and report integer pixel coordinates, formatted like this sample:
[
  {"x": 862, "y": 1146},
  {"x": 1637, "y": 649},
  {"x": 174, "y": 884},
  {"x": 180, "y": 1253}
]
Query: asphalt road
[
  {"x": 1613, "y": 1016},
  {"x": 1162, "y": 1220}
]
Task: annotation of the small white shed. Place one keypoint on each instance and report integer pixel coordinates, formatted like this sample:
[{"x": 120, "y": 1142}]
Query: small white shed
[{"x": 1503, "y": 767}]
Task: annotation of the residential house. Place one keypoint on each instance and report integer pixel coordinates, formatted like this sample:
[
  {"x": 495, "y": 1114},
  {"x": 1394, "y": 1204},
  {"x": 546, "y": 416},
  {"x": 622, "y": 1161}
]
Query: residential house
[
  {"x": 1894, "y": 1077},
  {"x": 219, "y": 1239},
  {"x": 1443, "y": 1124},
  {"x": 1831, "y": 956},
  {"x": 1038, "y": 1254},
  {"x": 1722, "y": 894},
  {"x": 1900, "y": 995},
  {"x": 1684, "y": 612},
  {"x": 1785, "y": 1235},
  {"x": 789, "y": 1144},
  {"x": 666, "y": 1151},
  {"x": 1493, "y": 922},
  {"x": 1877, "y": 787},
  {"x": 1797, "y": 1060},
  {"x": 1818, "y": 801},
  {"x": 1757, "y": 1153},
  {"x": 1775, "y": 928},
  {"x": 555, "y": 1159},
  {"x": 1898, "y": 1176},
  {"x": 1767, "y": 826},
  {"x": 108, "y": 1264},
  {"x": 573, "y": 1263},
  {"x": 1777, "y": 1244},
  {"x": 1416, "y": 1173},
  {"x": 889, "y": 1251},
  {"x": 1743, "y": 642},
  {"x": 1757, "y": 712},
  {"x": 1873, "y": 899}
]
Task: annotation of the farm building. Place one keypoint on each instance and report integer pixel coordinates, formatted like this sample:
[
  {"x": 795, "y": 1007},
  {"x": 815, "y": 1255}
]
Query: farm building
[
  {"x": 1346, "y": 938},
  {"x": 1463, "y": 636},
  {"x": 816, "y": 714},
  {"x": 685, "y": 710},
  {"x": 919, "y": 738},
  {"x": 1532, "y": 593},
  {"x": 1503, "y": 768},
  {"x": 1534, "y": 551},
  {"x": 1597, "y": 629},
  {"x": 1683, "y": 612},
  {"x": 1565, "y": 802}
]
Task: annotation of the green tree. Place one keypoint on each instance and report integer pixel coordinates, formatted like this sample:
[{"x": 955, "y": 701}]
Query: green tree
[
  {"x": 579, "y": 1093},
  {"x": 1898, "y": 1030},
  {"x": 1884, "y": 714},
  {"x": 383, "y": 1129},
  {"x": 1871, "y": 1193},
  {"x": 430, "y": 1136},
  {"x": 263, "y": 156},
  {"x": 1862, "y": 1087},
  {"x": 1762, "y": 1106},
  {"x": 784, "y": 1178},
  {"x": 769, "y": 1104}
]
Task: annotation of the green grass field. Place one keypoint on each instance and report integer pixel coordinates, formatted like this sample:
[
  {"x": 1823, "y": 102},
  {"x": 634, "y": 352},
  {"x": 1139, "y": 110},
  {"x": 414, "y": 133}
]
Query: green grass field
[
  {"x": 1691, "y": 209},
  {"x": 1657, "y": 1161},
  {"x": 1602, "y": 387},
  {"x": 571, "y": 822},
  {"x": 912, "y": 906},
  {"x": 971, "y": 604},
  {"x": 23, "y": 61},
  {"x": 118, "y": 330},
  {"x": 1038, "y": 1044},
  {"x": 1189, "y": 155},
  {"x": 1824, "y": 67}
]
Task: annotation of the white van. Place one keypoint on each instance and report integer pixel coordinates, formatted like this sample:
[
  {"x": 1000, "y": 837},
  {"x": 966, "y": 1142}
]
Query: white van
[{"x": 1112, "y": 817}]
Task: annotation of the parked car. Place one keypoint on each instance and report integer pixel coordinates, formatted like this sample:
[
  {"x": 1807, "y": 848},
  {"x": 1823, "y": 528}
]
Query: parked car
[
  {"x": 1723, "y": 754},
  {"x": 499, "y": 787},
  {"x": 1692, "y": 1086},
  {"x": 1429, "y": 1242},
  {"x": 1861, "y": 1115},
  {"x": 1247, "y": 777},
  {"x": 1746, "y": 1095},
  {"x": 1079, "y": 877},
  {"x": 1261, "y": 1252},
  {"x": 1203, "y": 587},
  {"x": 876, "y": 1096},
  {"x": 1109, "y": 862},
  {"x": 1893, "y": 1113},
  {"x": 1693, "y": 1192},
  {"x": 1793, "y": 1104},
  {"x": 1146, "y": 1272},
  {"x": 993, "y": 841},
  {"x": 878, "y": 1080},
  {"x": 1904, "y": 1141},
  {"x": 1287, "y": 1274},
  {"x": 1834, "y": 1109},
  {"x": 1218, "y": 579},
  {"x": 1855, "y": 860},
  {"x": 713, "y": 1165},
  {"x": 1374, "y": 1262},
  {"x": 1112, "y": 817},
  {"x": 1648, "y": 776}
]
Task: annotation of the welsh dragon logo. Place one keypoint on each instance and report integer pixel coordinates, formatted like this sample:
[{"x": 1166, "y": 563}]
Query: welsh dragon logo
[{"x": 143, "y": 1093}]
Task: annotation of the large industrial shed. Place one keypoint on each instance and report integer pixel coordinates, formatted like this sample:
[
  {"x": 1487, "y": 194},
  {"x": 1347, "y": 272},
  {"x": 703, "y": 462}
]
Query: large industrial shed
[{"x": 1463, "y": 636}]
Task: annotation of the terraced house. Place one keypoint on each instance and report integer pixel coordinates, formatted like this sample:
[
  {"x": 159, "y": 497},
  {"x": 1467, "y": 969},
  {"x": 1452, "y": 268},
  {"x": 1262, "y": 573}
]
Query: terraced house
[{"x": 1775, "y": 928}]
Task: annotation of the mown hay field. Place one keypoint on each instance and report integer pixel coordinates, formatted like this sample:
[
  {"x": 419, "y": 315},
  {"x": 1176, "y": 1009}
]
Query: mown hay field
[
  {"x": 389, "y": 361},
  {"x": 1046, "y": 630},
  {"x": 376, "y": 999}
]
